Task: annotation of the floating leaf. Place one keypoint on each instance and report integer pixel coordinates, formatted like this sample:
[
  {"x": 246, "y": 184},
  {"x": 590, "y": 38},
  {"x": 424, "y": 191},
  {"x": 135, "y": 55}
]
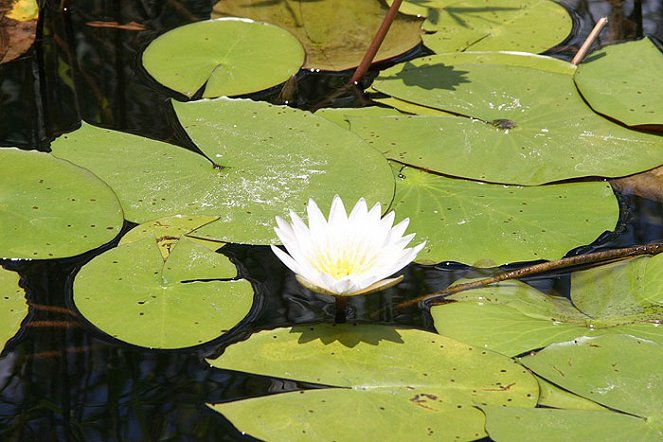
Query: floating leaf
[
  {"x": 335, "y": 33},
  {"x": 13, "y": 308},
  {"x": 169, "y": 230},
  {"x": 228, "y": 56},
  {"x": 50, "y": 208},
  {"x": 619, "y": 81},
  {"x": 552, "y": 396},
  {"x": 271, "y": 159},
  {"x": 512, "y": 317},
  {"x": 550, "y": 425},
  {"x": 131, "y": 294},
  {"x": 486, "y": 224},
  {"x": 647, "y": 184},
  {"x": 18, "y": 27},
  {"x": 382, "y": 374},
  {"x": 528, "y": 124},
  {"x": 340, "y": 115},
  {"x": 495, "y": 25}
]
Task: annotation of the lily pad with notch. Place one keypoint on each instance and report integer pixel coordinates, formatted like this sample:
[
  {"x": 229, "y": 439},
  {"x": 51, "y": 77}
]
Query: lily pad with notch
[
  {"x": 486, "y": 225},
  {"x": 382, "y": 374},
  {"x": 131, "y": 293},
  {"x": 521, "y": 121},
  {"x": 13, "y": 306},
  {"x": 50, "y": 208},
  {"x": 229, "y": 56},
  {"x": 513, "y": 317}
]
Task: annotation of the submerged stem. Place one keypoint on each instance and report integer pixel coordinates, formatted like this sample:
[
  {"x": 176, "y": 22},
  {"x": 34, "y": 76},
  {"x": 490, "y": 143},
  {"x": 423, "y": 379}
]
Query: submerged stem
[
  {"x": 608, "y": 255},
  {"x": 341, "y": 304}
]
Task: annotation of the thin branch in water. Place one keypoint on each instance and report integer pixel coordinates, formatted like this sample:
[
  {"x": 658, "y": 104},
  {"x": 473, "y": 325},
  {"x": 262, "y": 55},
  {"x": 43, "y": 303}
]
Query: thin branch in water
[
  {"x": 590, "y": 258},
  {"x": 582, "y": 52}
]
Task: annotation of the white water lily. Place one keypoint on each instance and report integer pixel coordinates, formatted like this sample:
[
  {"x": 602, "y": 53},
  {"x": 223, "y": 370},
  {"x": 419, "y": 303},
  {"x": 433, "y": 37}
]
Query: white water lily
[{"x": 345, "y": 255}]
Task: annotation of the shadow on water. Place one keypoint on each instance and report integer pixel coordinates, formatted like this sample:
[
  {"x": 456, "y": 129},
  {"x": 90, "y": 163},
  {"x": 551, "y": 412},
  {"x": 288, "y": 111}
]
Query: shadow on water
[{"x": 60, "y": 379}]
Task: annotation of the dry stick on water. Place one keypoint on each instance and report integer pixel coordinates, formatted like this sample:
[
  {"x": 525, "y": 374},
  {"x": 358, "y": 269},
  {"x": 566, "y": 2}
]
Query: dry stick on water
[
  {"x": 376, "y": 43},
  {"x": 608, "y": 255},
  {"x": 598, "y": 27}
]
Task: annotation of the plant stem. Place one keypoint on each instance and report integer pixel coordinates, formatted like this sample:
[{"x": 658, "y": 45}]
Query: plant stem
[
  {"x": 376, "y": 43},
  {"x": 608, "y": 255},
  {"x": 341, "y": 304},
  {"x": 598, "y": 27}
]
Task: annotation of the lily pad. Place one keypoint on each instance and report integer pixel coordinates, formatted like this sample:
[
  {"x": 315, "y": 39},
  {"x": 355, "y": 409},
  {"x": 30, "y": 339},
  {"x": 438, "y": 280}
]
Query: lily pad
[
  {"x": 495, "y": 25},
  {"x": 335, "y": 33},
  {"x": 132, "y": 294},
  {"x": 486, "y": 225},
  {"x": 619, "y": 81},
  {"x": 13, "y": 307},
  {"x": 526, "y": 123},
  {"x": 513, "y": 318},
  {"x": 552, "y": 396},
  {"x": 169, "y": 230},
  {"x": 400, "y": 384},
  {"x": 267, "y": 160},
  {"x": 228, "y": 56},
  {"x": 50, "y": 208}
]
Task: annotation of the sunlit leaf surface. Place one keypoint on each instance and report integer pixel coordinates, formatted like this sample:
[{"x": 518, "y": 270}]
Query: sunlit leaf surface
[
  {"x": 488, "y": 224},
  {"x": 400, "y": 384},
  {"x": 512, "y": 317},
  {"x": 227, "y": 56},
  {"x": 132, "y": 294},
  {"x": 523, "y": 122},
  {"x": 619, "y": 81},
  {"x": 335, "y": 33},
  {"x": 13, "y": 307},
  {"x": 265, "y": 161},
  {"x": 50, "y": 208}
]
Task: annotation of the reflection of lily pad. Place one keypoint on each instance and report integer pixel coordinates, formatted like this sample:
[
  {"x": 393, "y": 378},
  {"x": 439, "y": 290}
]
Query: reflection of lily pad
[
  {"x": 623, "y": 82},
  {"x": 619, "y": 371},
  {"x": 270, "y": 159},
  {"x": 527, "y": 125},
  {"x": 132, "y": 294},
  {"x": 228, "y": 56},
  {"x": 335, "y": 33},
  {"x": 50, "y": 208},
  {"x": 512, "y": 317},
  {"x": 400, "y": 384},
  {"x": 13, "y": 308},
  {"x": 487, "y": 224}
]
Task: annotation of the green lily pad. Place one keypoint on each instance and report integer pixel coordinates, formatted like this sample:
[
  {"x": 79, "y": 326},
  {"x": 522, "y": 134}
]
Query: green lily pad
[
  {"x": 49, "y": 208},
  {"x": 400, "y": 384},
  {"x": 526, "y": 122},
  {"x": 552, "y": 396},
  {"x": 619, "y": 371},
  {"x": 495, "y": 25},
  {"x": 620, "y": 81},
  {"x": 527, "y": 424},
  {"x": 485, "y": 225},
  {"x": 512, "y": 317},
  {"x": 334, "y": 33},
  {"x": 228, "y": 56},
  {"x": 339, "y": 115},
  {"x": 132, "y": 294},
  {"x": 13, "y": 307},
  {"x": 269, "y": 160},
  {"x": 169, "y": 230}
]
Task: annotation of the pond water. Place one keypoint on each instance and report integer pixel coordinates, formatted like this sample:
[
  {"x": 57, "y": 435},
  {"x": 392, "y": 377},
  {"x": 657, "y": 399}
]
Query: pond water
[{"x": 60, "y": 378}]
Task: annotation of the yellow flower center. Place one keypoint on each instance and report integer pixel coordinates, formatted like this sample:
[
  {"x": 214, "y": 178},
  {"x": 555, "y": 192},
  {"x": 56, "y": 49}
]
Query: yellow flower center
[{"x": 348, "y": 263}]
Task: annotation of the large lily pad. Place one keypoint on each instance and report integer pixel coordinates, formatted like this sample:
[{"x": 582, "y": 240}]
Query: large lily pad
[
  {"x": 619, "y": 371},
  {"x": 494, "y": 25},
  {"x": 487, "y": 225},
  {"x": 267, "y": 160},
  {"x": 400, "y": 384},
  {"x": 527, "y": 123},
  {"x": 512, "y": 317},
  {"x": 228, "y": 56},
  {"x": 335, "y": 33},
  {"x": 50, "y": 208},
  {"x": 132, "y": 294},
  {"x": 13, "y": 307},
  {"x": 621, "y": 81}
]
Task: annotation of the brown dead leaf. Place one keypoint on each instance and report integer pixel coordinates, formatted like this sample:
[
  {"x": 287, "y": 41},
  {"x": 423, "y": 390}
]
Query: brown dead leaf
[
  {"x": 646, "y": 184},
  {"x": 16, "y": 37}
]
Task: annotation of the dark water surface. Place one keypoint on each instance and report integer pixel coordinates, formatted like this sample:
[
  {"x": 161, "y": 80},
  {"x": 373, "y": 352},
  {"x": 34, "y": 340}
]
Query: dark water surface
[{"x": 62, "y": 380}]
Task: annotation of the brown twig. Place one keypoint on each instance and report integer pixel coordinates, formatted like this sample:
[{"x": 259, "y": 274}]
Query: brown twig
[
  {"x": 608, "y": 255},
  {"x": 598, "y": 27},
  {"x": 366, "y": 62}
]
